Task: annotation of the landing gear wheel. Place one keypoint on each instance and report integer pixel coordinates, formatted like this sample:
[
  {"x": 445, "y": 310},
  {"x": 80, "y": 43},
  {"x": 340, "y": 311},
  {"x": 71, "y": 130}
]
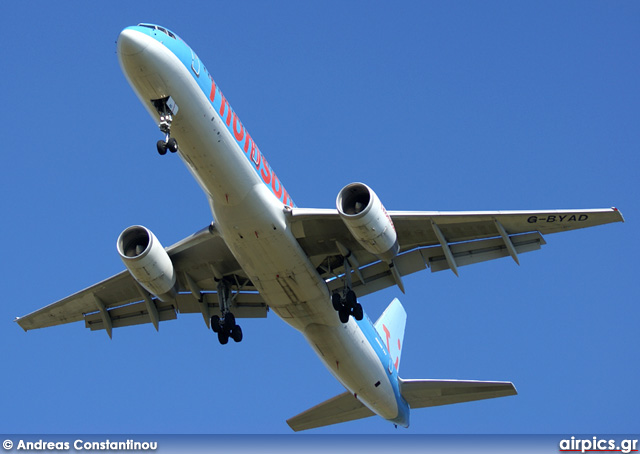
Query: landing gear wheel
[
  {"x": 172, "y": 145},
  {"x": 236, "y": 333},
  {"x": 336, "y": 301},
  {"x": 351, "y": 299},
  {"x": 162, "y": 147},
  {"x": 215, "y": 324},
  {"x": 358, "y": 312},
  {"x": 229, "y": 321},
  {"x": 223, "y": 337},
  {"x": 344, "y": 315}
]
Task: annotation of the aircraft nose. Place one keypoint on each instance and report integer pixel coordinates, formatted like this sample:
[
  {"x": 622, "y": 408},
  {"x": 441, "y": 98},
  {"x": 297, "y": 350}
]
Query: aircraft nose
[{"x": 131, "y": 42}]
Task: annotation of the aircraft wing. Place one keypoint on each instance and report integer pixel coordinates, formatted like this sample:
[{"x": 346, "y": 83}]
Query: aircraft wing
[
  {"x": 121, "y": 301},
  {"x": 416, "y": 228},
  {"x": 433, "y": 239}
]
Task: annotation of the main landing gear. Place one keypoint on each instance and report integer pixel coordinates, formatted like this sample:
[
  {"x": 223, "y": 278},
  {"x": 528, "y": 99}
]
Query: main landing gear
[
  {"x": 166, "y": 107},
  {"x": 347, "y": 303},
  {"x": 225, "y": 326}
]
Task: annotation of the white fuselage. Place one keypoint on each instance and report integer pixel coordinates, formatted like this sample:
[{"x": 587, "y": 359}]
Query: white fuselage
[{"x": 251, "y": 219}]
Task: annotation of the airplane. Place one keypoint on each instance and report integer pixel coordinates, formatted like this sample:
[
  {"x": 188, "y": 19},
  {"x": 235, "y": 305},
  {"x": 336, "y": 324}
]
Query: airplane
[{"x": 263, "y": 253}]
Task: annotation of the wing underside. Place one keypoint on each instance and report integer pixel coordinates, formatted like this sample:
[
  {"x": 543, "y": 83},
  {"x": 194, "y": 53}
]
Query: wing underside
[
  {"x": 435, "y": 240},
  {"x": 120, "y": 301}
]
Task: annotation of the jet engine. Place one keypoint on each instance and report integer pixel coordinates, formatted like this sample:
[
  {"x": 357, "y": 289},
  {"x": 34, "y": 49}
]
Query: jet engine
[
  {"x": 147, "y": 261},
  {"x": 367, "y": 220}
]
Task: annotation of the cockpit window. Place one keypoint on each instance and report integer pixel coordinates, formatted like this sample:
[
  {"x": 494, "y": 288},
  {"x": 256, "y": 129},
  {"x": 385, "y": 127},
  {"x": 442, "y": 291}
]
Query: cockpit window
[
  {"x": 167, "y": 32},
  {"x": 155, "y": 27}
]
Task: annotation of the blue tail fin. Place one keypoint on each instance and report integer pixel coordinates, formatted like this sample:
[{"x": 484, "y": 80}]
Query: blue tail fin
[{"x": 390, "y": 326}]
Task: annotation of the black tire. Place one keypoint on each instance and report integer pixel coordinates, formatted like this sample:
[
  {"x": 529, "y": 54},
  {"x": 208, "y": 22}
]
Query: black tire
[
  {"x": 236, "y": 333},
  {"x": 344, "y": 315},
  {"x": 229, "y": 322},
  {"x": 223, "y": 337},
  {"x": 351, "y": 299},
  {"x": 336, "y": 300},
  {"x": 162, "y": 147},
  {"x": 172, "y": 145},
  {"x": 215, "y": 323},
  {"x": 358, "y": 312}
]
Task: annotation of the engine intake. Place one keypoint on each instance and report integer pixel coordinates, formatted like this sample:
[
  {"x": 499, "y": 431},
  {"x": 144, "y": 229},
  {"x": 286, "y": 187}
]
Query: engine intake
[
  {"x": 147, "y": 261},
  {"x": 367, "y": 220}
]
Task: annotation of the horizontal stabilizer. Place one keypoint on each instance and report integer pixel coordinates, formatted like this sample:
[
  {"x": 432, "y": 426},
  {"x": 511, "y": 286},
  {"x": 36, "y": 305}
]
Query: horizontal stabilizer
[
  {"x": 341, "y": 408},
  {"x": 431, "y": 393}
]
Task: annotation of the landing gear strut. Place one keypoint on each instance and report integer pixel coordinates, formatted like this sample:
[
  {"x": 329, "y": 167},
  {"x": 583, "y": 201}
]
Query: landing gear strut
[
  {"x": 347, "y": 303},
  {"x": 225, "y": 326},
  {"x": 166, "y": 107}
]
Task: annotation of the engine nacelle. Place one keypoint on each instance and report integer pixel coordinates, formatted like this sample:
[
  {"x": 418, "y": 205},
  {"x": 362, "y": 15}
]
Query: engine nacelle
[
  {"x": 147, "y": 261},
  {"x": 367, "y": 220}
]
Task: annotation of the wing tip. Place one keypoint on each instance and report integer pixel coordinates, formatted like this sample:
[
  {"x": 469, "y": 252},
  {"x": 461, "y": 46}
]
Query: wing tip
[
  {"x": 17, "y": 320},
  {"x": 619, "y": 213},
  {"x": 293, "y": 426}
]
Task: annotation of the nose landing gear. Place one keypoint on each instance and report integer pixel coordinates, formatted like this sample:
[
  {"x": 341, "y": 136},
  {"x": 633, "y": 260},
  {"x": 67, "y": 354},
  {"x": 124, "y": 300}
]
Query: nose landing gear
[
  {"x": 166, "y": 107},
  {"x": 163, "y": 145}
]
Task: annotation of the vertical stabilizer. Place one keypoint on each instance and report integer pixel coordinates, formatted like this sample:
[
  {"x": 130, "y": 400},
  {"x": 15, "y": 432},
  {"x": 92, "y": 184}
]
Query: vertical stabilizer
[{"x": 390, "y": 326}]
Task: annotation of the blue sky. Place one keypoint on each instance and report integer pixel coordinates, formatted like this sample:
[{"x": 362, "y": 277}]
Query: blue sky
[{"x": 436, "y": 105}]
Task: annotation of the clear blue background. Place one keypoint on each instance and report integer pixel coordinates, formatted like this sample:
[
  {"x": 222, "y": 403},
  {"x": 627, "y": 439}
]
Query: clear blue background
[{"x": 436, "y": 105}]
